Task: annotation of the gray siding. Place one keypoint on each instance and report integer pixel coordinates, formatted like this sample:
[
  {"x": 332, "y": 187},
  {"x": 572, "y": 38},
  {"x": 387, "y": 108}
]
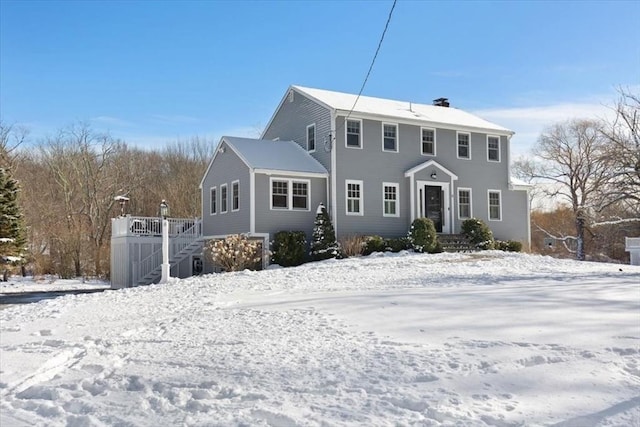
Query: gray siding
[
  {"x": 271, "y": 221},
  {"x": 374, "y": 166},
  {"x": 226, "y": 168},
  {"x": 290, "y": 124}
]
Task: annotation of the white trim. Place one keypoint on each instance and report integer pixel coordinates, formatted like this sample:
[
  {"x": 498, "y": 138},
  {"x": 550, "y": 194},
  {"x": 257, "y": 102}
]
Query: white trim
[
  {"x": 236, "y": 182},
  {"x": 499, "y": 147},
  {"x": 447, "y": 212},
  {"x": 396, "y": 201},
  {"x": 422, "y": 128},
  {"x": 458, "y": 133},
  {"x": 427, "y": 164},
  {"x": 289, "y": 182},
  {"x": 270, "y": 172},
  {"x": 361, "y": 140},
  {"x": 315, "y": 139},
  {"x": 211, "y": 200},
  {"x": 360, "y": 198},
  {"x": 252, "y": 201},
  {"x": 470, "y": 190},
  {"x": 226, "y": 204},
  {"x": 397, "y": 137},
  {"x": 489, "y": 204},
  {"x": 332, "y": 193}
]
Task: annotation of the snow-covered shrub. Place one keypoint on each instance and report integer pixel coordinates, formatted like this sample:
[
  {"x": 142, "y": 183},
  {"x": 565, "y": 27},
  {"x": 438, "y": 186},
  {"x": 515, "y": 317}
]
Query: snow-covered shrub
[
  {"x": 289, "y": 248},
  {"x": 423, "y": 236},
  {"x": 323, "y": 244},
  {"x": 374, "y": 244},
  {"x": 508, "y": 245},
  {"x": 353, "y": 245},
  {"x": 478, "y": 233},
  {"x": 397, "y": 244},
  {"x": 235, "y": 252}
]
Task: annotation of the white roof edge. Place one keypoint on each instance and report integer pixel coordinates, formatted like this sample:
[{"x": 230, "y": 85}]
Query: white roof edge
[
  {"x": 206, "y": 172},
  {"x": 291, "y": 173},
  {"x": 518, "y": 184},
  {"x": 419, "y": 122}
]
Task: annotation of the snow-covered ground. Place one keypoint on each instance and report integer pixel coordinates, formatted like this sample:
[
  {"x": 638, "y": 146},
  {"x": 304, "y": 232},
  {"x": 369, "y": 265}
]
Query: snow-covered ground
[
  {"x": 486, "y": 339},
  {"x": 19, "y": 284}
]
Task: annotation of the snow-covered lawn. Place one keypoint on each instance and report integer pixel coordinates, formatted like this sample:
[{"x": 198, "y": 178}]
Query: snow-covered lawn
[
  {"x": 428, "y": 340},
  {"x": 19, "y": 284}
]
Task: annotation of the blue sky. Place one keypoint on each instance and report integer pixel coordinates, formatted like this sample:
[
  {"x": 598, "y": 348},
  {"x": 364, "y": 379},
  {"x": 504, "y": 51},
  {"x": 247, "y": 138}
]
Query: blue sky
[{"x": 154, "y": 72}]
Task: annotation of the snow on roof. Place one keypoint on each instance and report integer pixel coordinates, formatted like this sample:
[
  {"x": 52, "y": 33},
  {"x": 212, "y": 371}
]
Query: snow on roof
[
  {"x": 403, "y": 110},
  {"x": 274, "y": 155}
]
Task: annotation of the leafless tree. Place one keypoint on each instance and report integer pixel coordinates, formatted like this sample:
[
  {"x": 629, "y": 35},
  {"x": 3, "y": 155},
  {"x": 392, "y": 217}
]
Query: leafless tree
[
  {"x": 570, "y": 163},
  {"x": 623, "y": 152}
]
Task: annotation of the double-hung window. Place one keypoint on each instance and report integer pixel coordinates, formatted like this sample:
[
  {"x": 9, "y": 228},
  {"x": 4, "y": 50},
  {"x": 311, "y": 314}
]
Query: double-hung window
[
  {"x": 354, "y": 197},
  {"x": 493, "y": 148},
  {"x": 235, "y": 195},
  {"x": 390, "y": 199},
  {"x": 389, "y": 137},
  {"x": 428, "y": 142},
  {"x": 464, "y": 203},
  {"x": 354, "y": 134},
  {"x": 311, "y": 138},
  {"x": 279, "y": 194},
  {"x": 464, "y": 145},
  {"x": 214, "y": 201},
  {"x": 495, "y": 208},
  {"x": 289, "y": 194},
  {"x": 300, "y": 195},
  {"x": 223, "y": 198}
]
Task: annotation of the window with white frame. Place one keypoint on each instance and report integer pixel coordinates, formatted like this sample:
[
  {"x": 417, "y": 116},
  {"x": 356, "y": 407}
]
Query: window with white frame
[
  {"x": 495, "y": 208},
  {"x": 311, "y": 137},
  {"x": 354, "y": 133},
  {"x": 235, "y": 195},
  {"x": 493, "y": 148},
  {"x": 354, "y": 197},
  {"x": 290, "y": 194},
  {"x": 428, "y": 142},
  {"x": 389, "y": 137},
  {"x": 464, "y": 203},
  {"x": 464, "y": 145},
  {"x": 279, "y": 194},
  {"x": 300, "y": 195},
  {"x": 223, "y": 198},
  {"x": 214, "y": 201},
  {"x": 390, "y": 199}
]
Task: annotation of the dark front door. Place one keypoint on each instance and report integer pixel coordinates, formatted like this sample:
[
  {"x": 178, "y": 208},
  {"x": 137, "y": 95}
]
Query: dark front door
[{"x": 433, "y": 205}]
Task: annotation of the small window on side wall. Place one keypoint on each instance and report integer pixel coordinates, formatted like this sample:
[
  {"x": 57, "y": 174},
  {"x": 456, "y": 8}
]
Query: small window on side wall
[
  {"x": 214, "y": 201},
  {"x": 223, "y": 198},
  {"x": 311, "y": 138}
]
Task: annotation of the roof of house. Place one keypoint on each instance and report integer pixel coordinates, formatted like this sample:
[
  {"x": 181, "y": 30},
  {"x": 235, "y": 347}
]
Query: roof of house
[
  {"x": 401, "y": 110},
  {"x": 274, "y": 155}
]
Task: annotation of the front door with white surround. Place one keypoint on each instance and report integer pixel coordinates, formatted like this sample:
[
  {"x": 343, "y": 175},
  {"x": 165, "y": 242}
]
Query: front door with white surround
[{"x": 433, "y": 202}]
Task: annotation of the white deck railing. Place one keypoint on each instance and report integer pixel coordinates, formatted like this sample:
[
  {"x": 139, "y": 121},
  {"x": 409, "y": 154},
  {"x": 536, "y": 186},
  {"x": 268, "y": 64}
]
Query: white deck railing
[{"x": 152, "y": 226}]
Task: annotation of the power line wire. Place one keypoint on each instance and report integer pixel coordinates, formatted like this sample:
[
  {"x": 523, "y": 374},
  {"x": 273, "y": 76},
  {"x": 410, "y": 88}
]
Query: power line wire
[{"x": 384, "y": 32}]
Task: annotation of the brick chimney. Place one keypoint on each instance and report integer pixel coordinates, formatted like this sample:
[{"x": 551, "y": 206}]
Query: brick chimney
[{"x": 441, "y": 102}]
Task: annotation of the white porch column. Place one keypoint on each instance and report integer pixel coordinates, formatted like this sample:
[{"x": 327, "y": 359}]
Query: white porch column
[{"x": 165, "y": 252}]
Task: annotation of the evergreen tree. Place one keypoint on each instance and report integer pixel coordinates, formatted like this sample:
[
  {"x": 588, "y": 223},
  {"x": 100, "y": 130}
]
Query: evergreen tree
[
  {"x": 12, "y": 238},
  {"x": 323, "y": 243}
]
